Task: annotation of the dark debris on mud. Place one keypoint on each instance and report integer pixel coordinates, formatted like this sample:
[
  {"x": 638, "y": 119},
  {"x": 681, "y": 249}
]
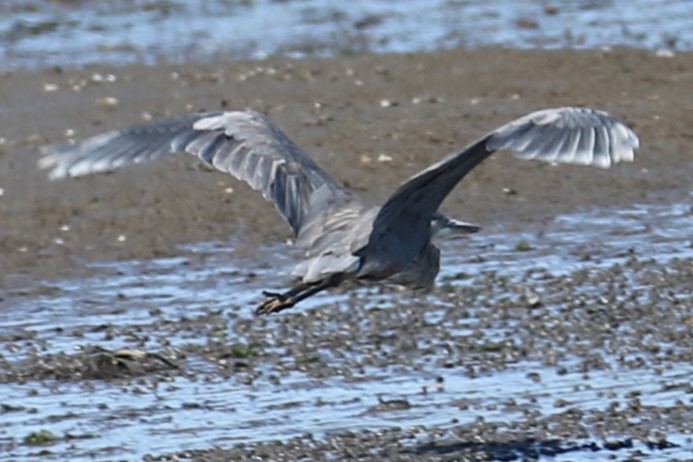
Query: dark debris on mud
[
  {"x": 91, "y": 363},
  {"x": 641, "y": 323},
  {"x": 476, "y": 442},
  {"x": 638, "y": 317}
]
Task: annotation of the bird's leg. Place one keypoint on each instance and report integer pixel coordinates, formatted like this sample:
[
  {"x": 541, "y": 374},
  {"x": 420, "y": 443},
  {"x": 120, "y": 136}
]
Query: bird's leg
[{"x": 277, "y": 302}]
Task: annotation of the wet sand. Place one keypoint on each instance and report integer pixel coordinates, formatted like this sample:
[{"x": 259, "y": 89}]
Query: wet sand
[
  {"x": 334, "y": 109},
  {"x": 348, "y": 112}
]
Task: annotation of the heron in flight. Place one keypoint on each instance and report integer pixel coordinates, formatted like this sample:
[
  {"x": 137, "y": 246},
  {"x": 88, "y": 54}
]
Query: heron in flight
[{"x": 344, "y": 237}]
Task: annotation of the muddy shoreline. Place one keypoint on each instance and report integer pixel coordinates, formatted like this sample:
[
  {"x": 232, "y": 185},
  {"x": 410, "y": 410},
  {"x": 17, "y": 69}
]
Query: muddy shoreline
[
  {"x": 347, "y": 112},
  {"x": 105, "y": 293}
]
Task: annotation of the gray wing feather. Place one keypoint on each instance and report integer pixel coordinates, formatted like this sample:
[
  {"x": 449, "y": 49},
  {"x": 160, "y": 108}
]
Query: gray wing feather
[
  {"x": 111, "y": 150},
  {"x": 245, "y": 144},
  {"x": 564, "y": 135},
  {"x": 567, "y": 136}
]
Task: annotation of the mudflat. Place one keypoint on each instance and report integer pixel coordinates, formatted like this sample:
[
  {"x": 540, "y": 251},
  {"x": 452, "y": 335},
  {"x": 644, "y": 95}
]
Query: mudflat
[{"x": 371, "y": 121}]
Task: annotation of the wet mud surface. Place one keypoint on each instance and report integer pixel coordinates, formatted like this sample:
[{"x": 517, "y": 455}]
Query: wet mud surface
[
  {"x": 562, "y": 331},
  {"x": 42, "y": 33}
]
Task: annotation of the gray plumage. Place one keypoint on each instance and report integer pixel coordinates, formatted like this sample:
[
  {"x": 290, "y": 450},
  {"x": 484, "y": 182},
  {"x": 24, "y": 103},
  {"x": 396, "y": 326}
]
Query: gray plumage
[{"x": 345, "y": 238}]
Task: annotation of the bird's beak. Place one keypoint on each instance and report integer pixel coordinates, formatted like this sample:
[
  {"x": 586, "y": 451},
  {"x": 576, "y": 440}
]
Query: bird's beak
[{"x": 455, "y": 228}]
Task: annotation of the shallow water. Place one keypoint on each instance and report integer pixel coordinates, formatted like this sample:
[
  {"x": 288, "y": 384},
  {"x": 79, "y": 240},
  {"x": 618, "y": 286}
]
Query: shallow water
[
  {"x": 39, "y": 33},
  {"x": 141, "y": 303}
]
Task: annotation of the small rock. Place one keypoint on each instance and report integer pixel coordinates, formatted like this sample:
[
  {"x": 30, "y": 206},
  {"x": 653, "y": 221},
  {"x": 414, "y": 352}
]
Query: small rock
[{"x": 107, "y": 101}]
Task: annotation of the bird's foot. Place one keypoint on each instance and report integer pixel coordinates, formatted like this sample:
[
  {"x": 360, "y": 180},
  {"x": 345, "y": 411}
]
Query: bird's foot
[{"x": 275, "y": 303}]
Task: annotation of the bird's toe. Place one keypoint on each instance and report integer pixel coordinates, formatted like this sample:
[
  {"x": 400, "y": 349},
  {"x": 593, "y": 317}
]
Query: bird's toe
[{"x": 274, "y": 304}]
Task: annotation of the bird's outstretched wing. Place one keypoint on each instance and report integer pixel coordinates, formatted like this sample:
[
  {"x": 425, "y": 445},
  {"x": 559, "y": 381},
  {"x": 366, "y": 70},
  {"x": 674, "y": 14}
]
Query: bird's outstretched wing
[
  {"x": 567, "y": 136},
  {"x": 564, "y": 135},
  {"x": 246, "y": 144}
]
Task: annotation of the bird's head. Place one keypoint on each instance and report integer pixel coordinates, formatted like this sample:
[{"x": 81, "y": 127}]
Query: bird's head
[{"x": 444, "y": 228}]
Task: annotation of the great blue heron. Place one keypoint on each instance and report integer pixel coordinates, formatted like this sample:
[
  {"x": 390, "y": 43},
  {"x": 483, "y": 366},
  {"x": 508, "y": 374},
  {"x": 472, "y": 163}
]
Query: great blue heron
[{"x": 345, "y": 238}]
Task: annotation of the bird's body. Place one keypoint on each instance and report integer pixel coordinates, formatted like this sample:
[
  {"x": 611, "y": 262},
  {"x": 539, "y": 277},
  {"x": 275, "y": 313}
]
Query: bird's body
[{"x": 344, "y": 237}]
